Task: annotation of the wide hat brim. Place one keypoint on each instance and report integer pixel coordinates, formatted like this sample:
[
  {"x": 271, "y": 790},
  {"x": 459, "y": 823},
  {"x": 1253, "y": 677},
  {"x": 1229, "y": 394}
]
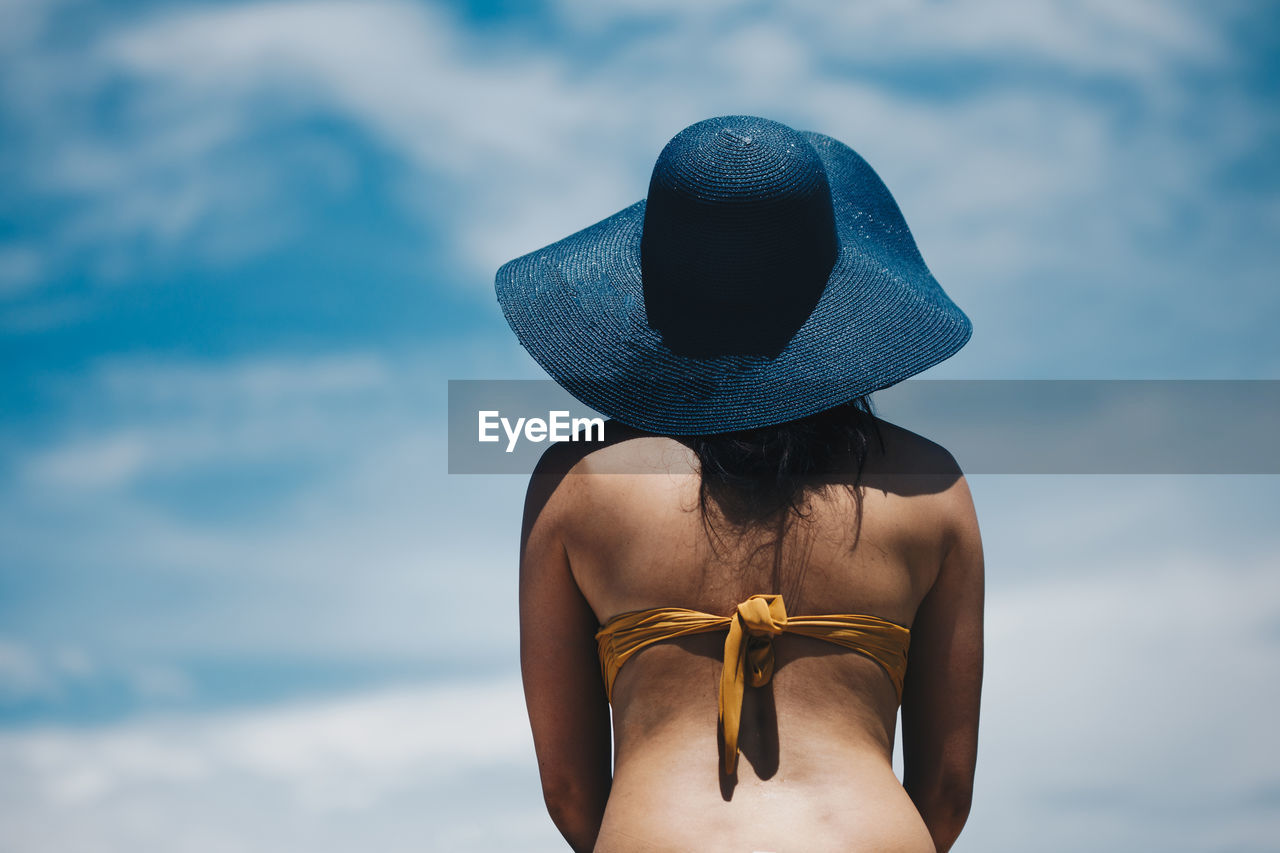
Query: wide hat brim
[{"x": 578, "y": 307}]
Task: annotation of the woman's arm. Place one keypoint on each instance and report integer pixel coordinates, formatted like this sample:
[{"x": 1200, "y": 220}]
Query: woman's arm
[
  {"x": 944, "y": 682},
  {"x": 563, "y": 688}
]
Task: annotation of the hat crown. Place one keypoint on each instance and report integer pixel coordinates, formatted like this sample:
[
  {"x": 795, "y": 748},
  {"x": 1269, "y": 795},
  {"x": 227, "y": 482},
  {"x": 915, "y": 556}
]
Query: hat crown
[{"x": 739, "y": 237}]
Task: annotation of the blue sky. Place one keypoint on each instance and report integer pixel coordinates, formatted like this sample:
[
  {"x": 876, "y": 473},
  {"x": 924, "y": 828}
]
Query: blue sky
[{"x": 243, "y": 247}]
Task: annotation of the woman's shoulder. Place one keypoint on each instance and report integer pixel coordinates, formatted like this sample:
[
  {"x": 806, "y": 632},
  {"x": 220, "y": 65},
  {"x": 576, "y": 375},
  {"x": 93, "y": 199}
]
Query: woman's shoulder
[
  {"x": 913, "y": 465},
  {"x": 623, "y": 450},
  {"x": 918, "y": 468},
  {"x": 909, "y": 453},
  {"x": 571, "y": 474}
]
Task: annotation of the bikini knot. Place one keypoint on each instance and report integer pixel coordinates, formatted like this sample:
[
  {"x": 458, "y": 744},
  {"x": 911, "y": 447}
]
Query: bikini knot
[{"x": 762, "y": 617}]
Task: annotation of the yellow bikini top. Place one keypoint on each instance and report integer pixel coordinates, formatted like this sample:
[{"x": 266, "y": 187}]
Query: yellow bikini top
[{"x": 750, "y": 646}]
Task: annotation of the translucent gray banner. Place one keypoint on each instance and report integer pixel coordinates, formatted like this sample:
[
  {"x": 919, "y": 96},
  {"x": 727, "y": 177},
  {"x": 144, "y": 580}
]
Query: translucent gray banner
[{"x": 991, "y": 426}]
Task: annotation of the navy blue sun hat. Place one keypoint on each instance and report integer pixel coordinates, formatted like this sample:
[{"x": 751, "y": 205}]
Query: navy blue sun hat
[{"x": 768, "y": 275}]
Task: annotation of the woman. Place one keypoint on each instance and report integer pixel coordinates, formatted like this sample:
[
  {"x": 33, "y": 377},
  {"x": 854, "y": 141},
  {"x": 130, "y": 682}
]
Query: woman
[{"x": 743, "y": 569}]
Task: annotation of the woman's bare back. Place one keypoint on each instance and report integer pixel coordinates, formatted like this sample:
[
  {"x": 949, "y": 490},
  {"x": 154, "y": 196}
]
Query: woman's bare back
[{"x": 816, "y": 742}]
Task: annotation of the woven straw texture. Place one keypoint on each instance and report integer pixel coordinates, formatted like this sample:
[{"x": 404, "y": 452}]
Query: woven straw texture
[{"x": 578, "y": 307}]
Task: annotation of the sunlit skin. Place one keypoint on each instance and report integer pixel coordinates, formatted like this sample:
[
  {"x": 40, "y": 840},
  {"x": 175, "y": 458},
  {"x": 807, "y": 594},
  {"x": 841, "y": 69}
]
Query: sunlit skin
[{"x": 616, "y": 527}]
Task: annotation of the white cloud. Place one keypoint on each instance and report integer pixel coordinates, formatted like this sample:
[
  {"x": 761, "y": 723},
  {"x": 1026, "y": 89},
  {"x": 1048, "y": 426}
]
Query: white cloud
[
  {"x": 1057, "y": 166},
  {"x": 21, "y": 268},
  {"x": 20, "y": 674},
  {"x": 486, "y": 134},
  {"x": 1106, "y": 704},
  {"x": 508, "y": 134},
  {"x": 180, "y": 416},
  {"x": 1131, "y": 664},
  {"x": 1133, "y": 40},
  {"x": 1135, "y": 712},
  {"x": 262, "y": 380},
  {"x": 162, "y": 683},
  {"x": 355, "y": 543},
  {"x": 1096, "y": 37},
  {"x": 1047, "y": 177},
  {"x": 110, "y": 461},
  {"x": 404, "y": 769},
  {"x": 27, "y": 673}
]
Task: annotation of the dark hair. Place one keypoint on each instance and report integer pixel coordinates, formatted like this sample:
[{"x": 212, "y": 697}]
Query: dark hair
[{"x": 758, "y": 476}]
